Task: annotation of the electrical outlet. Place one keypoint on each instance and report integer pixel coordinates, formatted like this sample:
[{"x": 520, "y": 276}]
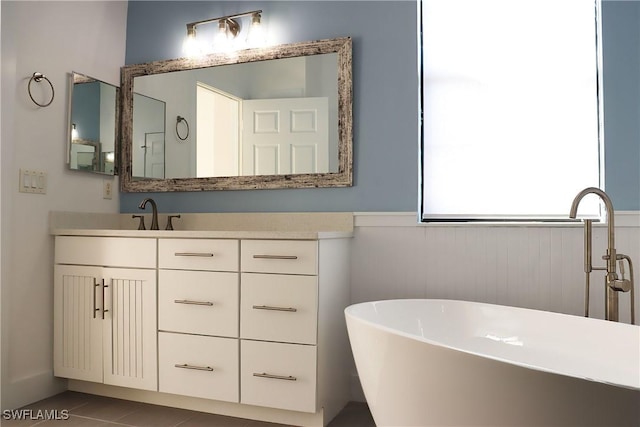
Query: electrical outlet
[
  {"x": 107, "y": 189},
  {"x": 33, "y": 181}
]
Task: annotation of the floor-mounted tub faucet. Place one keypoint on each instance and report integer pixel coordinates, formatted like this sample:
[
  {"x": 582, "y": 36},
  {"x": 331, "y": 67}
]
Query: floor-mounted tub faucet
[
  {"x": 612, "y": 283},
  {"x": 154, "y": 218}
]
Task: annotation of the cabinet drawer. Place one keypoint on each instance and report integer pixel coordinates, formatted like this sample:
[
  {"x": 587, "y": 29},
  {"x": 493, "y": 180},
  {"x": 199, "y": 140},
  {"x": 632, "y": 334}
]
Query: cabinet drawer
[
  {"x": 198, "y": 254},
  {"x": 198, "y": 302},
  {"x": 198, "y": 366},
  {"x": 106, "y": 251},
  {"x": 278, "y": 375},
  {"x": 280, "y": 256},
  {"x": 279, "y": 307}
]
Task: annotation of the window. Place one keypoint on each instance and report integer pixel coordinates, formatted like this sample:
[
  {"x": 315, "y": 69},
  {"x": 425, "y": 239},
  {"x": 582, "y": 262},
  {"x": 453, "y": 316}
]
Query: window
[{"x": 511, "y": 116}]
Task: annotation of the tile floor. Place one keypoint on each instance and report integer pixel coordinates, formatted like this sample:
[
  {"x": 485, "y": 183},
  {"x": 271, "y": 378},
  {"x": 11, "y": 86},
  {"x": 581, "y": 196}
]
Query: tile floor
[{"x": 87, "y": 410}]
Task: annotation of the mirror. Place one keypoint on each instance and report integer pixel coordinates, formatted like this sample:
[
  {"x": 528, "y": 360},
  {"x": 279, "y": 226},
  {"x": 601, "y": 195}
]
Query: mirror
[
  {"x": 148, "y": 153},
  {"x": 93, "y": 125},
  {"x": 276, "y": 117}
]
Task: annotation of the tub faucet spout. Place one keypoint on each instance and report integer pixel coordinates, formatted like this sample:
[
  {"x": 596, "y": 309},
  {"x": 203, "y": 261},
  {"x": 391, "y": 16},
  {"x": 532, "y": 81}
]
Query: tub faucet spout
[
  {"x": 613, "y": 284},
  {"x": 154, "y": 218},
  {"x": 611, "y": 250}
]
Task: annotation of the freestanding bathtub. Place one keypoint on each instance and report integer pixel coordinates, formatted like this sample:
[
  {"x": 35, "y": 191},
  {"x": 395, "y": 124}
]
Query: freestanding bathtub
[{"x": 455, "y": 363}]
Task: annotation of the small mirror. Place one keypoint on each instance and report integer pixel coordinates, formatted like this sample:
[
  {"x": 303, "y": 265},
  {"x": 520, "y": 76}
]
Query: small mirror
[{"x": 93, "y": 125}]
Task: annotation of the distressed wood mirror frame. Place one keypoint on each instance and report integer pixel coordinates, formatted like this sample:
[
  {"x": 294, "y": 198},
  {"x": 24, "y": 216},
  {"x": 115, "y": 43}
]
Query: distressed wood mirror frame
[{"x": 342, "y": 178}]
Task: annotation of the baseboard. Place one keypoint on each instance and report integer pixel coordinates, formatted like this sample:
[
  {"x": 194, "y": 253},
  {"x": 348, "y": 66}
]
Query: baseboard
[
  {"x": 31, "y": 389},
  {"x": 202, "y": 405}
]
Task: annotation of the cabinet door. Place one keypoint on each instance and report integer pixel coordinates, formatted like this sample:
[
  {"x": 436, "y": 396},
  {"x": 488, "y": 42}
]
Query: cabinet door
[
  {"x": 77, "y": 330},
  {"x": 130, "y": 328}
]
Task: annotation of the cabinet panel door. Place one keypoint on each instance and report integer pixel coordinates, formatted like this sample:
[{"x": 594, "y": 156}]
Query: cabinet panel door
[
  {"x": 130, "y": 328},
  {"x": 77, "y": 330}
]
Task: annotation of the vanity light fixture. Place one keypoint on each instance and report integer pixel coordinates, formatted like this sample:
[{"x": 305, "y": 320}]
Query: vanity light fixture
[
  {"x": 226, "y": 38},
  {"x": 74, "y": 131}
]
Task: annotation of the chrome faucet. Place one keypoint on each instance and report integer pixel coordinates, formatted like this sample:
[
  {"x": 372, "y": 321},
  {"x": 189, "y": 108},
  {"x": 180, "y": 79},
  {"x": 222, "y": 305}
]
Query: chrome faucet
[
  {"x": 612, "y": 283},
  {"x": 154, "y": 218}
]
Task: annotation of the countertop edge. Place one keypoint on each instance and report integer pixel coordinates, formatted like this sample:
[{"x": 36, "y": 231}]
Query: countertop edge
[{"x": 204, "y": 234}]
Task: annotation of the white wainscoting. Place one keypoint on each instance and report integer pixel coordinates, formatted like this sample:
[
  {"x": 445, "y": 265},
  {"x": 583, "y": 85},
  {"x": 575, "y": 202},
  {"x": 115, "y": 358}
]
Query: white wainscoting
[{"x": 533, "y": 266}]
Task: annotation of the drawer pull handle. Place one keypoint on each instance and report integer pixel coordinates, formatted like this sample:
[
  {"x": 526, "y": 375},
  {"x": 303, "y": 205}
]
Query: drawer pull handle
[
  {"x": 272, "y": 308},
  {"x": 197, "y": 368},
  {"x": 275, "y": 257},
  {"x": 186, "y": 301},
  {"x": 195, "y": 254},
  {"x": 274, "y": 377}
]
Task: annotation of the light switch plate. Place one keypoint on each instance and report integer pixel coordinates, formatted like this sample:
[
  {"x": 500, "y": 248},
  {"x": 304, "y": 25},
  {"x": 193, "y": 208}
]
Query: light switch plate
[
  {"x": 107, "y": 189},
  {"x": 33, "y": 181}
]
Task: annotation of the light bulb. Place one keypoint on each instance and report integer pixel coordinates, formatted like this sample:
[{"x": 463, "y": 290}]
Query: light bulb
[
  {"x": 256, "y": 38},
  {"x": 191, "y": 48},
  {"x": 222, "y": 40},
  {"x": 74, "y": 131}
]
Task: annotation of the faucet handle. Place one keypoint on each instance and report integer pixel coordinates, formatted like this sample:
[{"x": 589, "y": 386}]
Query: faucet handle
[
  {"x": 621, "y": 285},
  {"x": 169, "y": 224},
  {"x": 621, "y": 267},
  {"x": 141, "y": 224}
]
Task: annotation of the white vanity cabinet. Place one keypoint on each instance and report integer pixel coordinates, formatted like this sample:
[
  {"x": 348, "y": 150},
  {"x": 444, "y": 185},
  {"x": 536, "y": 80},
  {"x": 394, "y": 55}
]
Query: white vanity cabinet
[
  {"x": 198, "y": 318},
  {"x": 105, "y": 310},
  {"x": 246, "y": 324}
]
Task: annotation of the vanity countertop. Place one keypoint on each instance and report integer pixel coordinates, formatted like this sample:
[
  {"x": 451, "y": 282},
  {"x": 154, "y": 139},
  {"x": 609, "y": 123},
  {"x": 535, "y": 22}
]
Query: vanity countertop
[
  {"x": 281, "y": 226},
  {"x": 204, "y": 234}
]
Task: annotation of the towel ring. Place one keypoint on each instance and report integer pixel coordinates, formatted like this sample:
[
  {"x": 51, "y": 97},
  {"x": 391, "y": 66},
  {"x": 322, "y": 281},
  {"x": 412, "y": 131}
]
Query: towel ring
[
  {"x": 38, "y": 77},
  {"x": 178, "y": 120}
]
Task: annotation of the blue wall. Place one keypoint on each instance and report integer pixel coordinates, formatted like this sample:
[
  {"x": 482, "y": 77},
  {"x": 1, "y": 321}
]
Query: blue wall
[
  {"x": 621, "y": 52},
  {"x": 385, "y": 108}
]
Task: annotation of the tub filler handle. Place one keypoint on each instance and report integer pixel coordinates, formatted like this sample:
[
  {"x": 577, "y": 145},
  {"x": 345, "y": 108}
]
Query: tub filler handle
[{"x": 626, "y": 285}]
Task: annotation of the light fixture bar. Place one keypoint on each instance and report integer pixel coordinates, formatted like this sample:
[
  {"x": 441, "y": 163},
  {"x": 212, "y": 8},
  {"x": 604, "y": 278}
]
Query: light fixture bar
[{"x": 192, "y": 25}]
